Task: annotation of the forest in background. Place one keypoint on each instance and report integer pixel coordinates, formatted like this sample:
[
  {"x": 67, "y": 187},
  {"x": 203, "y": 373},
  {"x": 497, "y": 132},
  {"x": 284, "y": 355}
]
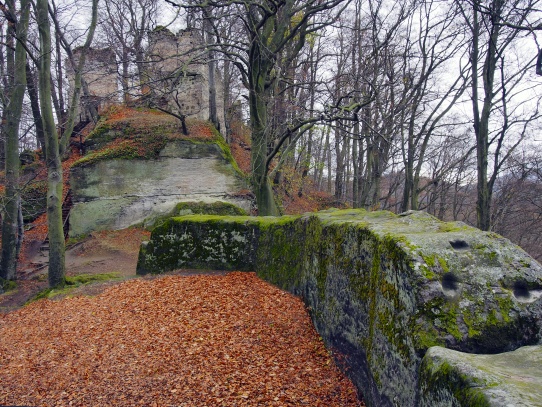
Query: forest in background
[{"x": 383, "y": 104}]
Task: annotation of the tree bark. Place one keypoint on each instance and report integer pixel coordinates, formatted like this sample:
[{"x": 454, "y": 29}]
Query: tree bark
[
  {"x": 70, "y": 123},
  {"x": 57, "y": 270},
  {"x": 35, "y": 106},
  {"x": 260, "y": 180},
  {"x": 8, "y": 263}
]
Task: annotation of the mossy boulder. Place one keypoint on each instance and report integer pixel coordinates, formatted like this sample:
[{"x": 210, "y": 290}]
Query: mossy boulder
[
  {"x": 211, "y": 207},
  {"x": 381, "y": 288},
  {"x": 452, "y": 378}
]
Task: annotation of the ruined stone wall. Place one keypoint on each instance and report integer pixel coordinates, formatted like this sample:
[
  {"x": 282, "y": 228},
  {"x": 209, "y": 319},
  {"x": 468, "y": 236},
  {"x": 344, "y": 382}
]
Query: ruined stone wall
[
  {"x": 100, "y": 74},
  {"x": 179, "y": 72}
]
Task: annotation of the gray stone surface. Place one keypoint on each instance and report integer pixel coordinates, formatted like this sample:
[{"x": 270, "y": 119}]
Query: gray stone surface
[
  {"x": 381, "y": 288},
  {"x": 116, "y": 194},
  {"x": 510, "y": 379}
]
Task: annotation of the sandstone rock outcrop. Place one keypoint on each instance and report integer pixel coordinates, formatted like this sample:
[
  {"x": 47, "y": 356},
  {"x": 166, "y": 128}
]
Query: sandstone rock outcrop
[{"x": 382, "y": 289}]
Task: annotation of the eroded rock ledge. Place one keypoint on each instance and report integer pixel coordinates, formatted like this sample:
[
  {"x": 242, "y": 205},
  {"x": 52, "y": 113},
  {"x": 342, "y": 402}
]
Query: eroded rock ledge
[
  {"x": 119, "y": 193},
  {"x": 382, "y": 289}
]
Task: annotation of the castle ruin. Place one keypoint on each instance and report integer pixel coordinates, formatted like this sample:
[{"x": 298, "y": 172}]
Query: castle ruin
[
  {"x": 100, "y": 75},
  {"x": 177, "y": 77}
]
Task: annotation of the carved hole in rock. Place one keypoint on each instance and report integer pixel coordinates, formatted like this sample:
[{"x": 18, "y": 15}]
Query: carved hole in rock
[
  {"x": 521, "y": 291},
  {"x": 450, "y": 283},
  {"x": 459, "y": 244}
]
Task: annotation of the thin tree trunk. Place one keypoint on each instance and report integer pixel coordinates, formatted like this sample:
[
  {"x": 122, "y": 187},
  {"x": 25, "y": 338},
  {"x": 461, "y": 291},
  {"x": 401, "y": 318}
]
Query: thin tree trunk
[
  {"x": 61, "y": 114},
  {"x": 8, "y": 263},
  {"x": 35, "y": 106},
  {"x": 211, "y": 66},
  {"x": 70, "y": 124},
  {"x": 340, "y": 169},
  {"x": 57, "y": 270}
]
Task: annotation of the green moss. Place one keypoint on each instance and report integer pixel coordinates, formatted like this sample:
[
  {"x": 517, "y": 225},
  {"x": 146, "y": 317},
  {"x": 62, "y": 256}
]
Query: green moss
[
  {"x": 426, "y": 337},
  {"x": 219, "y": 208},
  {"x": 443, "y": 264},
  {"x": 74, "y": 240},
  {"x": 101, "y": 133},
  {"x": 433, "y": 262},
  {"x": 427, "y": 272},
  {"x": 82, "y": 279},
  {"x": 7, "y": 285},
  {"x": 219, "y": 140},
  {"x": 73, "y": 282},
  {"x": 442, "y": 318},
  {"x": 34, "y": 200},
  {"x": 215, "y": 208},
  {"x": 429, "y": 260},
  {"x": 466, "y": 390},
  {"x": 126, "y": 150},
  {"x": 505, "y": 305},
  {"x": 446, "y": 227}
]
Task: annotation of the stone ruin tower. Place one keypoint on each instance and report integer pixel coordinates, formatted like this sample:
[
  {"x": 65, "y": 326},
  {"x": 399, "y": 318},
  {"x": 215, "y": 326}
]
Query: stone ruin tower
[
  {"x": 177, "y": 71},
  {"x": 178, "y": 74},
  {"x": 100, "y": 74}
]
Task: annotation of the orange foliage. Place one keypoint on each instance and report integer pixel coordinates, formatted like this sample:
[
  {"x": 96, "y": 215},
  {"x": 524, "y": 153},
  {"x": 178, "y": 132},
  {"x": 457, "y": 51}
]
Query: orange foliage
[
  {"x": 200, "y": 129},
  {"x": 299, "y": 195},
  {"x": 240, "y": 146},
  {"x": 216, "y": 340}
]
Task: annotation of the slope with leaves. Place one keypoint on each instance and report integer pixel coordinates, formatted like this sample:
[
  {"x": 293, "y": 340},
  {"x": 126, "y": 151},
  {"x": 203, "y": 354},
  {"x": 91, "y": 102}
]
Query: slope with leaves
[{"x": 221, "y": 340}]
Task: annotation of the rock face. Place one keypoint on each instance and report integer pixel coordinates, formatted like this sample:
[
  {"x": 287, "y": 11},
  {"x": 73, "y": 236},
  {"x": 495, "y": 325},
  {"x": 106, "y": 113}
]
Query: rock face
[
  {"x": 382, "y": 288},
  {"x": 118, "y": 193},
  {"x": 451, "y": 378}
]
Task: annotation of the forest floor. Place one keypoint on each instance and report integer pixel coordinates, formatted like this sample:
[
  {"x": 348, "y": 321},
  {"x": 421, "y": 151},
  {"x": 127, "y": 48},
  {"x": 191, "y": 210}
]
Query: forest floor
[{"x": 190, "y": 338}]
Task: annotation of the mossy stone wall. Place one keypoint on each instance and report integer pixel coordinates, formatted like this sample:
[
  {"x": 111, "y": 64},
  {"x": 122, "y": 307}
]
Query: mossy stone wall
[{"x": 381, "y": 288}]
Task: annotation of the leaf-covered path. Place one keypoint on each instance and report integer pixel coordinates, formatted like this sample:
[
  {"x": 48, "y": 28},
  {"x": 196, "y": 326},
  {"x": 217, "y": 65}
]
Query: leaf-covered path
[{"x": 220, "y": 340}]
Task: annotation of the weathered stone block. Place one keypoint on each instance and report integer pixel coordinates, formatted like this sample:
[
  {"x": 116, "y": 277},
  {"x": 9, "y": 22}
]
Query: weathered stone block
[
  {"x": 381, "y": 288},
  {"x": 451, "y": 378}
]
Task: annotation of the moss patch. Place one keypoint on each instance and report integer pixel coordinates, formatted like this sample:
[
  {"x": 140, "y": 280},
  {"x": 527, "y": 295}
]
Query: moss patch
[
  {"x": 34, "y": 200},
  {"x": 7, "y": 285},
  {"x": 381, "y": 288},
  {"x": 214, "y": 208},
  {"x": 72, "y": 282}
]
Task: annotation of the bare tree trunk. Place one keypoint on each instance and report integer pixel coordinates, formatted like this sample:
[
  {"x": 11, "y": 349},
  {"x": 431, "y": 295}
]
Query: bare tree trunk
[
  {"x": 8, "y": 263},
  {"x": 61, "y": 114},
  {"x": 211, "y": 67},
  {"x": 57, "y": 270},
  {"x": 35, "y": 106},
  {"x": 340, "y": 169},
  {"x": 70, "y": 124}
]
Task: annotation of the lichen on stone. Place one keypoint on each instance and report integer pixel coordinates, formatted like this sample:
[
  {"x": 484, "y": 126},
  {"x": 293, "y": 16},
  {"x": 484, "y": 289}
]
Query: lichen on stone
[{"x": 381, "y": 288}]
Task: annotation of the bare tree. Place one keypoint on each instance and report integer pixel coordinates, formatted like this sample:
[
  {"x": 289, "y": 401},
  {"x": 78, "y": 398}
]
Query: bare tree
[
  {"x": 269, "y": 28},
  {"x": 16, "y": 63},
  {"x": 492, "y": 99},
  {"x": 125, "y": 25}
]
